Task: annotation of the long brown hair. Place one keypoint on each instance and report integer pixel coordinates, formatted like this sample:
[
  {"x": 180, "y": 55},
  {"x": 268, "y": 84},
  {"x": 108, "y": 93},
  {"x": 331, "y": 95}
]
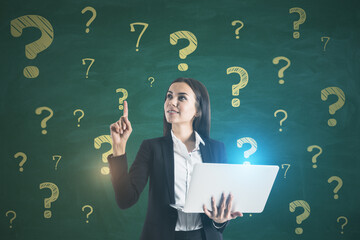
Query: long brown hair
[{"x": 201, "y": 124}]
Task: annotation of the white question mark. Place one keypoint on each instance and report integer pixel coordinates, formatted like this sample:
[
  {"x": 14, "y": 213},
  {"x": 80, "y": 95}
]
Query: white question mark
[{"x": 253, "y": 143}]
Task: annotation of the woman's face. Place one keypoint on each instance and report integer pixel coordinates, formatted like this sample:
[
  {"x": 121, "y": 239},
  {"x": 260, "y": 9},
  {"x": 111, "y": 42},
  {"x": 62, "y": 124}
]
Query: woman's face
[{"x": 179, "y": 105}]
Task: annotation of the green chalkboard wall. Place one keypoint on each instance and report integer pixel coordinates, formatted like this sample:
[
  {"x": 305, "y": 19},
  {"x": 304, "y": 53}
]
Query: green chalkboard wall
[{"x": 314, "y": 44}]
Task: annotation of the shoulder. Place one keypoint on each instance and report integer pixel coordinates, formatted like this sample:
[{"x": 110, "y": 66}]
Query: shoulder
[
  {"x": 156, "y": 141},
  {"x": 213, "y": 143},
  {"x": 167, "y": 139},
  {"x": 217, "y": 148}
]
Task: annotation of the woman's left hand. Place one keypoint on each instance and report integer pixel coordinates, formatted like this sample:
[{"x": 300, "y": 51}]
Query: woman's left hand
[{"x": 223, "y": 213}]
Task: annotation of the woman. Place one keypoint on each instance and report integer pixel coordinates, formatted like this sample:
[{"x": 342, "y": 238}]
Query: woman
[{"x": 168, "y": 161}]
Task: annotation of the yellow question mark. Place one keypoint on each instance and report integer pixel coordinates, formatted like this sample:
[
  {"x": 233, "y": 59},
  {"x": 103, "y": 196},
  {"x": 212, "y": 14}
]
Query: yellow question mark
[
  {"x": 132, "y": 29},
  {"x": 124, "y": 97},
  {"x": 238, "y": 29},
  {"x": 13, "y": 218},
  {"x": 87, "y": 215},
  {"x": 244, "y": 79},
  {"x": 310, "y": 148},
  {"x": 281, "y": 71},
  {"x": 343, "y": 225},
  {"x": 301, "y": 217},
  {"x": 54, "y": 195},
  {"x": 327, "y": 40},
  {"x": 302, "y": 19},
  {"x": 183, "y": 53},
  {"x": 31, "y": 50},
  {"x": 91, "y": 9},
  {"x": 338, "y": 186},
  {"x": 92, "y": 60},
  {"x": 97, "y": 144},
  {"x": 336, "y": 106},
  {"x": 82, "y": 115},
  {"x": 38, "y": 111},
  {"x": 153, "y": 79},
  {"x": 23, "y": 155},
  {"x": 54, "y": 158},
  {"x": 281, "y": 121},
  {"x": 288, "y": 166},
  {"x": 249, "y": 140}
]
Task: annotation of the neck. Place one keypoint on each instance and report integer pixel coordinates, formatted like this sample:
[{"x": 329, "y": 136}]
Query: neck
[{"x": 184, "y": 133}]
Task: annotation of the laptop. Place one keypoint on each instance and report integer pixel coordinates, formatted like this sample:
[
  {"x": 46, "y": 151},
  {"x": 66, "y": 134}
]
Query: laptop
[{"x": 249, "y": 184}]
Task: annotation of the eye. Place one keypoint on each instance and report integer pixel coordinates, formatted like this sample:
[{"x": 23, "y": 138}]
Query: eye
[
  {"x": 182, "y": 98},
  {"x": 168, "y": 95}
]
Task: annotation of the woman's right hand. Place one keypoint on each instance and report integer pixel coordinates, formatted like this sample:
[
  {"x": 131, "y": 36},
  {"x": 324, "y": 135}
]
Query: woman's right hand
[{"x": 120, "y": 132}]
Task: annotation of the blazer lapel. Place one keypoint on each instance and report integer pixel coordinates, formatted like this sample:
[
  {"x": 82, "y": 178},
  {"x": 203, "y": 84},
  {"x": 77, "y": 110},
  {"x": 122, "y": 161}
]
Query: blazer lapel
[
  {"x": 205, "y": 152},
  {"x": 168, "y": 156}
]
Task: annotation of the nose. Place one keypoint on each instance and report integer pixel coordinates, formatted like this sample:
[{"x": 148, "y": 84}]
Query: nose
[{"x": 173, "y": 102}]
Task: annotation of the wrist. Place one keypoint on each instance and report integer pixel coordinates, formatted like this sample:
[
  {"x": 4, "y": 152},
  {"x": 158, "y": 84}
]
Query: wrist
[
  {"x": 218, "y": 225},
  {"x": 117, "y": 151}
]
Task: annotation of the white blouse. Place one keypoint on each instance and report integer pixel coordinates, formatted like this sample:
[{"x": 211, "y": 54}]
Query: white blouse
[{"x": 184, "y": 162}]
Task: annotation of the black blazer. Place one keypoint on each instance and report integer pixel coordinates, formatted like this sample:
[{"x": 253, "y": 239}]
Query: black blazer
[{"x": 155, "y": 160}]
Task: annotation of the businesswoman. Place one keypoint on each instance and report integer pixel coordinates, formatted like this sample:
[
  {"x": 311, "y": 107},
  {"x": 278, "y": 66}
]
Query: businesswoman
[{"x": 168, "y": 162}]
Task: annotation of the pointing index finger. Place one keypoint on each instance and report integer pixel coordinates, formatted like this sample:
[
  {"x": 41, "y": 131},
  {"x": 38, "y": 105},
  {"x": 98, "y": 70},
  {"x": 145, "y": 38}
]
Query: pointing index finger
[{"x": 125, "y": 113}]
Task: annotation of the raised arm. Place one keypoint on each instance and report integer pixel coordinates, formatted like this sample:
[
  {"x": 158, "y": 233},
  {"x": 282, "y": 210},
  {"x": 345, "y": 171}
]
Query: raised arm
[
  {"x": 127, "y": 185},
  {"x": 120, "y": 132}
]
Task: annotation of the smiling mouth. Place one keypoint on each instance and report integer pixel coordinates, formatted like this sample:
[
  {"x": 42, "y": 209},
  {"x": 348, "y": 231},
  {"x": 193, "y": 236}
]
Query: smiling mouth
[{"x": 171, "y": 111}]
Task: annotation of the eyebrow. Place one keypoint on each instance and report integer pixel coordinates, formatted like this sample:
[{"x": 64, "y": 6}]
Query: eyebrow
[{"x": 180, "y": 93}]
